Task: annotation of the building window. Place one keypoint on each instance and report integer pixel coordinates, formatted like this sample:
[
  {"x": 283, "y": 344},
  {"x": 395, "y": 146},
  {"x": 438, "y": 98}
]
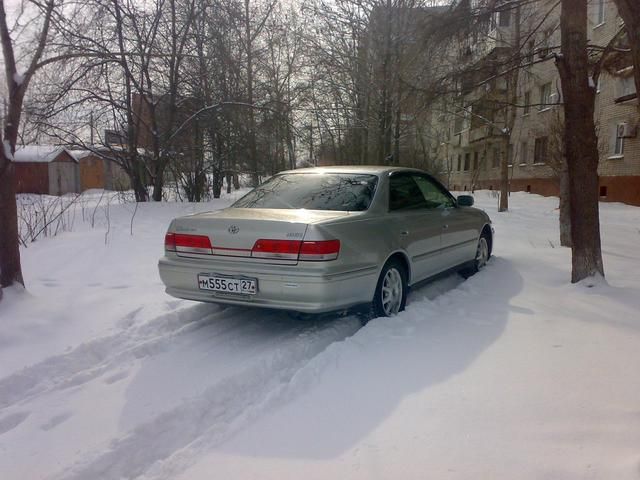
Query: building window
[
  {"x": 495, "y": 163},
  {"x": 527, "y": 102},
  {"x": 544, "y": 48},
  {"x": 531, "y": 46},
  {"x": 458, "y": 124},
  {"x": 504, "y": 18},
  {"x": 459, "y": 163},
  {"x": 545, "y": 96},
  {"x": 523, "y": 153},
  {"x": 626, "y": 86},
  {"x": 541, "y": 150},
  {"x": 618, "y": 144},
  {"x": 475, "y": 160},
  {"x": 467, "y": 161},
  {"x": 603, "y": 191},
  {"x": 599, "y": 13}
]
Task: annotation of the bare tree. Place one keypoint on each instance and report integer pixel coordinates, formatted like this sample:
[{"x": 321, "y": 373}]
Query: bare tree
[
  {"x": 254, "y": 20},
  {"x": 17, "y": 85},
  {"x": 580, "y": 140},
  {"x": 558, "y": 162}
]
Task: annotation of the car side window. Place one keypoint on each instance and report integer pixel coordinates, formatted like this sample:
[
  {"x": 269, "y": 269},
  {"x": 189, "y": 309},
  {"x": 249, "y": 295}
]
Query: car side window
[
  {"x": 433, "y": 194},
  {"x": 405, "y": 194}
]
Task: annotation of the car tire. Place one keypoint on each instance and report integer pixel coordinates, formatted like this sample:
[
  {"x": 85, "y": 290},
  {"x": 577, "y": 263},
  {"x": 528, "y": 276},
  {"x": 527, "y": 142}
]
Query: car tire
[
  {"x": 483, "y": 253},
  {"x": 391, "y": 291}
]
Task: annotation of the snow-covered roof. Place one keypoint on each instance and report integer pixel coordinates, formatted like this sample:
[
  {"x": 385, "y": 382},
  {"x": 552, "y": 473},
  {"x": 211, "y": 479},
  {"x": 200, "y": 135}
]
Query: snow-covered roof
[
  {"x": 79, "y": 154},
  {"x": 39, "y": 153}
]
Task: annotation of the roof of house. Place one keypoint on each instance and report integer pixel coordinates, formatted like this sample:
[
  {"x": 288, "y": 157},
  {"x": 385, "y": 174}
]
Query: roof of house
[
  {"x": 40, "y": 153},
  {"x": 80, "y": 154}
]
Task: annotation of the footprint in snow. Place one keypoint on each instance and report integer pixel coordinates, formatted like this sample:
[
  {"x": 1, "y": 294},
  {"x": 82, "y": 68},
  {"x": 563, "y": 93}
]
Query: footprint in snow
[
  {"x": 55, "y": 421},
  {"x": 129, "y": 319},
  {"x": 10, "y": 422},
  {"x": 172, "y": 304}
]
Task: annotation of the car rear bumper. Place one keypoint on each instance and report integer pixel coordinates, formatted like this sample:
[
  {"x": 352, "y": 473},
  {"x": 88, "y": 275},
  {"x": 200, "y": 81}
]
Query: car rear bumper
[{"x": 279, "y": 287}]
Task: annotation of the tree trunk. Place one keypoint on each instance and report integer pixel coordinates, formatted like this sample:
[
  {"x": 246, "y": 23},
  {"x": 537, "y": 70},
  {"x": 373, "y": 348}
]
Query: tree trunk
[
  {"x": 10, "y": 270},
  {"x": 216, "y": 184},
  {"x": 504, "y": 179},
  {"x": 512, "y": 87},
  {"x": 253, "y": 152},
  {"x": 580, "y": 141},
  {"x": 158, "y": 183},
  {"x": 138, "y": 183},
  {"x": 565, "y": 206},
  {"x": 10, "y": 267}
]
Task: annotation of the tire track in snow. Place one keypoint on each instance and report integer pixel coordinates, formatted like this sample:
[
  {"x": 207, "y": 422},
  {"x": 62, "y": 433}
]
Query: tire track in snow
[
  {"x": 216, "y": 413},
  {"x": 167, "y": 444},
  {"x": 91, "y": 359}
]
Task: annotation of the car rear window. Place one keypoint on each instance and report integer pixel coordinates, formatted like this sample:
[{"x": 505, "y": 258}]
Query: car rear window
[{"x": 313, "y": 191}]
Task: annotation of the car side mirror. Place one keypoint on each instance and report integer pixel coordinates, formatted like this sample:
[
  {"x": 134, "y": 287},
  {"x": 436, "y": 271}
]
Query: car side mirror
[{"x": 465, "y": 201}]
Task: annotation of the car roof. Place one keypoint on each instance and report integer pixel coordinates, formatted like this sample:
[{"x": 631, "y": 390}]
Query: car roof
[{"x": 370, "y": 169}]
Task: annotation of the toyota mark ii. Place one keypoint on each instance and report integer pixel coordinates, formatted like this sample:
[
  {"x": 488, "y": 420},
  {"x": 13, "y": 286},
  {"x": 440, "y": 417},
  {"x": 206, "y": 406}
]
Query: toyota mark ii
[{"x": 323, "y": 239}]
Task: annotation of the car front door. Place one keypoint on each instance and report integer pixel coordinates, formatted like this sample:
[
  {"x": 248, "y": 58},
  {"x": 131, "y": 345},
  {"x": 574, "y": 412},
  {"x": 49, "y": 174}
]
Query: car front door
[
  {"x": 459, "y": 229},
  {"x": 416, "y": 224}
]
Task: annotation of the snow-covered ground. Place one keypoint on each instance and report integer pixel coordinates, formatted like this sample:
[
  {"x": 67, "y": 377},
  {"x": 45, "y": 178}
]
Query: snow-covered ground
[{"x": 512, "y": 374}]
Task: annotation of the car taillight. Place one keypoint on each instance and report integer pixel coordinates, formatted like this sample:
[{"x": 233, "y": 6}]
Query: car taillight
[
  {"x": 170, "y": 242},
  {"x": 284, "y": 249},
  {"x": 190, "y": 243},
  {"x": 296, "y": 250},
  {"x": 320, "y": 250}
]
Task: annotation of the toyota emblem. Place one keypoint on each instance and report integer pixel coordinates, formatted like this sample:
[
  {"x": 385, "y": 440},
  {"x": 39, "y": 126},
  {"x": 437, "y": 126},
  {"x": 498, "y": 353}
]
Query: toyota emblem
[{"x": 233, "y": 229}]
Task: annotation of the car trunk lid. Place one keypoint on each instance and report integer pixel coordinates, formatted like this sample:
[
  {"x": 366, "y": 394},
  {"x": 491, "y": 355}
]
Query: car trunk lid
[{"x": 260, "y": 235}]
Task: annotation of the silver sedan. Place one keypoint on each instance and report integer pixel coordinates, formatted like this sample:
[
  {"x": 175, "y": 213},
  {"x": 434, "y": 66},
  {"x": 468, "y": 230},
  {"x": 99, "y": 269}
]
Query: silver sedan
[{"x": 323, "y": 239}]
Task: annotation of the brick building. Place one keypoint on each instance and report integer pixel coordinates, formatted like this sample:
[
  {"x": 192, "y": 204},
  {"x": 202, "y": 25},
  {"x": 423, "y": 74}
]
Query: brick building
[{"x": 481, "y": 134}]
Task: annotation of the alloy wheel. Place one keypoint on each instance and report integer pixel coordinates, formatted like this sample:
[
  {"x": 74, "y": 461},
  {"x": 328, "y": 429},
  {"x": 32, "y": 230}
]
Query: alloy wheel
[
  {"x": 392, "y": 292},
  {"x": 482, "y": 255}
]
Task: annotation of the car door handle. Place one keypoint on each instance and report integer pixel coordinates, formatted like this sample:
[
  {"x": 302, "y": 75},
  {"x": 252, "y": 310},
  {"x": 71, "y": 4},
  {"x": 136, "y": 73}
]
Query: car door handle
[
  {"x": 404, "y": 232},
  {"x": 445, "y": 226}
]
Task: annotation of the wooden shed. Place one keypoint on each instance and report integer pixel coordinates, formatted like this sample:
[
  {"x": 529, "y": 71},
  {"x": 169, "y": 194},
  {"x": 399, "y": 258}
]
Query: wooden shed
[
  {"x": 97, "y": 171},
  {"x": 91, "y": 169},
  {"x": 46, "y": 170}
]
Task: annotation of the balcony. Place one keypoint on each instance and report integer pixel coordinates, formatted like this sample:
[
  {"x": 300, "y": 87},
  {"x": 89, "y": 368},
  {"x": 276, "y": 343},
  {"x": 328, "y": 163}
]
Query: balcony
[{"x": 484, "y": 132}]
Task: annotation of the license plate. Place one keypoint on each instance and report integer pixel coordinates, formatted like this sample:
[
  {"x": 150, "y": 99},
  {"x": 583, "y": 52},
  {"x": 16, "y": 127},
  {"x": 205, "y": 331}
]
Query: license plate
[{"x": 238, "y": 285}]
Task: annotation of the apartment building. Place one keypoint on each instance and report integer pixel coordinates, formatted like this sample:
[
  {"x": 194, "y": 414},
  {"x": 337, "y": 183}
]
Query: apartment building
[{"x": 519, "y": 114}]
